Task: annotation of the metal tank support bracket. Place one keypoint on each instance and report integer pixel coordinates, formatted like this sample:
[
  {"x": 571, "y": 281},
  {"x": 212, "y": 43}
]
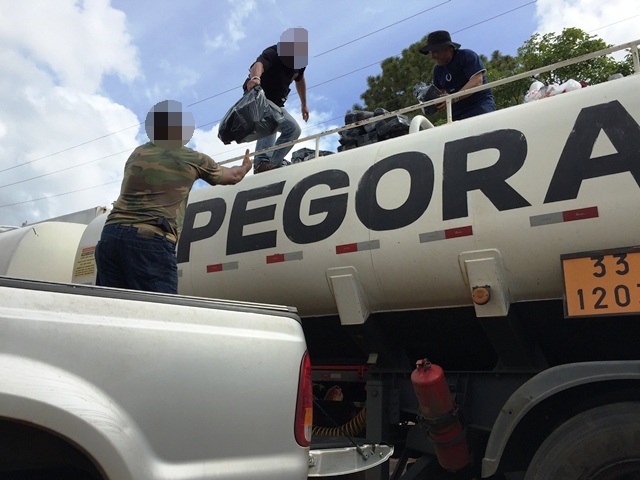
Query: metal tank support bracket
[
  {"x": 348, "y": 294},
  {"x": 484, "y": 274}
]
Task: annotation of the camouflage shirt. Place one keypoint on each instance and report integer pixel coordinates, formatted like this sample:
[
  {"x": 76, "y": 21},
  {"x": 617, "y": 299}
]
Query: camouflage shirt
[{"x": 157, "y": 182}]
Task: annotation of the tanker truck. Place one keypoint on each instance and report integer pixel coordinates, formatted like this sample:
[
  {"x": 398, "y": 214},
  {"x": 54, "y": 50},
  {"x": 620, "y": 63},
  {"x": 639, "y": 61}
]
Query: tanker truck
[{"x": 469, "y": 293}]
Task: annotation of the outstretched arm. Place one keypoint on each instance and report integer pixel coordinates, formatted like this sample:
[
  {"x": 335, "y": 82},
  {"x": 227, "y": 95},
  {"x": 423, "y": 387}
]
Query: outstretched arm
[{"x": 232, "y": 175}]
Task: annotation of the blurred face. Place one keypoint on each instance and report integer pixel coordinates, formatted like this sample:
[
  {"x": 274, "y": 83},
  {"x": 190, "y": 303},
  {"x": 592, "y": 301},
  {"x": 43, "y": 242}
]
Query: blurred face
[
  {"x": 293, "y": 48},
  {"x": 442, "y": 57},
  {"x": 168, "y": 126}
]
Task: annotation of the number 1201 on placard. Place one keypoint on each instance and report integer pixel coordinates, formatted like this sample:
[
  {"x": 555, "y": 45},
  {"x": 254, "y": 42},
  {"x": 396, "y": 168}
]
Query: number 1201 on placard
[{"x": 602, "y": 283}]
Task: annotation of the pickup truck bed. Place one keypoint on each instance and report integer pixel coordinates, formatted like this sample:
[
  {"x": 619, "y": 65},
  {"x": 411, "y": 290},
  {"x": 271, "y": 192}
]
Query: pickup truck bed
[{"x": 147, "y": 386}]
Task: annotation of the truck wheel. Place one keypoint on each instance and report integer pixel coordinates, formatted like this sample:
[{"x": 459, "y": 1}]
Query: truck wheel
[{"x": 599, "y": 444}]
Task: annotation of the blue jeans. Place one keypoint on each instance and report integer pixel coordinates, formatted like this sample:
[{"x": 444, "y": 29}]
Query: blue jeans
[
  {"x": 289, "y": 131},
  {"x": 125, "y": 259}
]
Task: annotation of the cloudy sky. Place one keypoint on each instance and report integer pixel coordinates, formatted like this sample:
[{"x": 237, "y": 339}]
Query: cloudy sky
[{"x": 78, "y": 76}]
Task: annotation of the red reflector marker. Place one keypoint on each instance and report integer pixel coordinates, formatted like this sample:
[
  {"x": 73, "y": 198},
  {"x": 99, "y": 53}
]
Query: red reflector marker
[
  {"x": 358, "y": 246},
  {"x": 221, "y": 267},
  {"x": 347, "y": 248},
  {"x": 458, "y": 232},
  {"x": 275, "y": 258},
  {"x": 580, "y": 214}
]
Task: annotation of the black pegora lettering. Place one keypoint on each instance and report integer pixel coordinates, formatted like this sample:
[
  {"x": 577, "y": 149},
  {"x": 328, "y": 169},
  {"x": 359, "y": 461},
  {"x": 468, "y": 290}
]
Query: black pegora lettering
[
  {"x": 491, "y": 181},
  {"x": 328, "y": 191},
  {"x": 372, "y": 215},
  {"x": 335, "y": 207},
  {"x": 217, "y": 208},
  {"x": 576, "y": 164},
  {"x": 241, "y": 216}
]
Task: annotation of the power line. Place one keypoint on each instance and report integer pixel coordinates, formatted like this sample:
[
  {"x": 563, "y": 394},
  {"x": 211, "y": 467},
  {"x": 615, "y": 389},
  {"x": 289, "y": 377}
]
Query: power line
[
  {"x": 64, "y": 169},
  {"x": 221, "y": 93},
  {"x": 70, "y": 148},
  {"x": 496, "y": 16},
  {"x": 381, "y": 29},
  {"x": 227, "y": 91},
  {"x": 308, "y": 88},
  {"x": 614, "y": 23},
  {"x": 58, "y": 194}
]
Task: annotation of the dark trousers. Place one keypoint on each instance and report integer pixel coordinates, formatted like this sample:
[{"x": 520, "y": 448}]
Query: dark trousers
[{"x": 137, "y": 260}]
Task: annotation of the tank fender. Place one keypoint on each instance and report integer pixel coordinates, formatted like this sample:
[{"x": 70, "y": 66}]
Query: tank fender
[{"x": 544, "y": 385}]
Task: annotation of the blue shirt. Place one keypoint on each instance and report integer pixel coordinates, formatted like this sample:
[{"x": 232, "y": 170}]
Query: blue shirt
[{"x": 455, "y": 74}]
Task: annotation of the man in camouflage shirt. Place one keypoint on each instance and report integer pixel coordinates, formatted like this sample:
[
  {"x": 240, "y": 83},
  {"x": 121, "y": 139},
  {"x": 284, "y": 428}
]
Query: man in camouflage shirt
[{"x": 137, "y": 246}]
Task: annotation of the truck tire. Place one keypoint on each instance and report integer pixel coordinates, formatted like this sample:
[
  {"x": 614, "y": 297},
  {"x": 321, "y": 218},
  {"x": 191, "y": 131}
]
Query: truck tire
[{"x": 601, "y": 443}]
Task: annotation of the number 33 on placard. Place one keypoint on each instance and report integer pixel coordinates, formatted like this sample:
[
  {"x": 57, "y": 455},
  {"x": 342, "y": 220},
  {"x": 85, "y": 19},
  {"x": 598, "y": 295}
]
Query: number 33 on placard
[{"x": 602, "y": 283}]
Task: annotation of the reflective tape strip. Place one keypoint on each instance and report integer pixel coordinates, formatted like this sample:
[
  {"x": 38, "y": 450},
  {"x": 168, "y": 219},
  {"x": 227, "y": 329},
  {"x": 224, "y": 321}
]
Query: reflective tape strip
[
  {"x": 566, "y": 216},
  {"x": 221, "y": 267},
  {"x": 446, "y": 234},
  {"x": 284, "y": 257},
  {"x": 357, "y": 247}
]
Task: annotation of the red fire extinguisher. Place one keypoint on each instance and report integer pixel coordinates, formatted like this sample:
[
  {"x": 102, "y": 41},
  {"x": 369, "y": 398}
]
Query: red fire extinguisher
[{"x": 440, "y": 415}]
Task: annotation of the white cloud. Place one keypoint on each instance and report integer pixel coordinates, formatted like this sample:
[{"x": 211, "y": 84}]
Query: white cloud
[
  {"x": 54, "y": 57},
  {"x": 615, "y": 21},
  {"x": 235, "y": 26},
  {"x": 78, "y": 42}
]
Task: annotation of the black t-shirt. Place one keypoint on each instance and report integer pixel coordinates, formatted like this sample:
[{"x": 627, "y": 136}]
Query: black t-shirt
[{"x": 277, "y": 77}]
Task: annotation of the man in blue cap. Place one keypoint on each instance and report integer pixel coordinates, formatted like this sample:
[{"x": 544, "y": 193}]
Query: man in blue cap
[{"x": 457, "y": 70}]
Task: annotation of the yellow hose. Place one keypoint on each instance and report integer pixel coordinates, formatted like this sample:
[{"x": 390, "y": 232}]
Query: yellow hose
[{"x": 350, "y": 429}]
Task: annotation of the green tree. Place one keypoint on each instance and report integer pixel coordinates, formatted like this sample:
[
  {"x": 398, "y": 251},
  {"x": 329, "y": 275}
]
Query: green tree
[
  {"x": 542, "y": 50},
  {"x": 504, "y": 66},
  {"x": 393, "y": 88}
]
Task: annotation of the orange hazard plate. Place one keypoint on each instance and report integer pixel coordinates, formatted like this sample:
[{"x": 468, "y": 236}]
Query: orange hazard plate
[{"x": 602, "y": 283}]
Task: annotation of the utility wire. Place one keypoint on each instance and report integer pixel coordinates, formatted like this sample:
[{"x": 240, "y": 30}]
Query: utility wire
[
  {"x": 58, "y": 194},
  {"x": 614, "y": 23},
  {"x": 70, "y": 148},
  {"x": 218, "y": 94},
  {"x": 496, "y": 16},
  {"x": 227, "y": 91},
  {"x": 65, "y": 169},
  {"x": 381, "y": 29}
]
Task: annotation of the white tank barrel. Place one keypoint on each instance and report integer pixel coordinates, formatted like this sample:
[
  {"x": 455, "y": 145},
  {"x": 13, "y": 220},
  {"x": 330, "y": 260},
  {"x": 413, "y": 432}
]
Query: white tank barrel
[
  {"x": 84, "y": 265},
  {"x": 44, "y": 251},
  {"x": 412, "y": 222}
]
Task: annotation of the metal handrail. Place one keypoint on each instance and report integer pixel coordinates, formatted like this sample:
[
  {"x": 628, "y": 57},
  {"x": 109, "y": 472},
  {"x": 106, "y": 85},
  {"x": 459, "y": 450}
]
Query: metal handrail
[{"x": 633, "y": 46}]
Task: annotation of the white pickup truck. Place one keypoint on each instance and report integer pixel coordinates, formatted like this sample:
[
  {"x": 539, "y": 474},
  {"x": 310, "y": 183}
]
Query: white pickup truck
[{"x": 99, "y": 383}]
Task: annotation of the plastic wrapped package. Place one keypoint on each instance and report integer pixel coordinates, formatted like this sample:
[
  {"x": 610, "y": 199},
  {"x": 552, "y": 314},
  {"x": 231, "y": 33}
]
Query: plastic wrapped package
[
  {"x": 356, "y": 116},
  {"x": 304, "y": 154},
  {"x": 425, "y": 92},
  {"x": 537, "y": 90},
  {"x": 252, "y": 117},
  {"x": 570, "y": 85},
  {"x": 392, "y": 127}
]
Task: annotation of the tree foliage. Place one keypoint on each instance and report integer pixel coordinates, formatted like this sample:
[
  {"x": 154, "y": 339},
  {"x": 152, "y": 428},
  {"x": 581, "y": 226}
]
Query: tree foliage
[
  {"x": 393, "y": 88},
  {"x": 504, "y": 66},
  {"x": 542, "y": 50}
]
